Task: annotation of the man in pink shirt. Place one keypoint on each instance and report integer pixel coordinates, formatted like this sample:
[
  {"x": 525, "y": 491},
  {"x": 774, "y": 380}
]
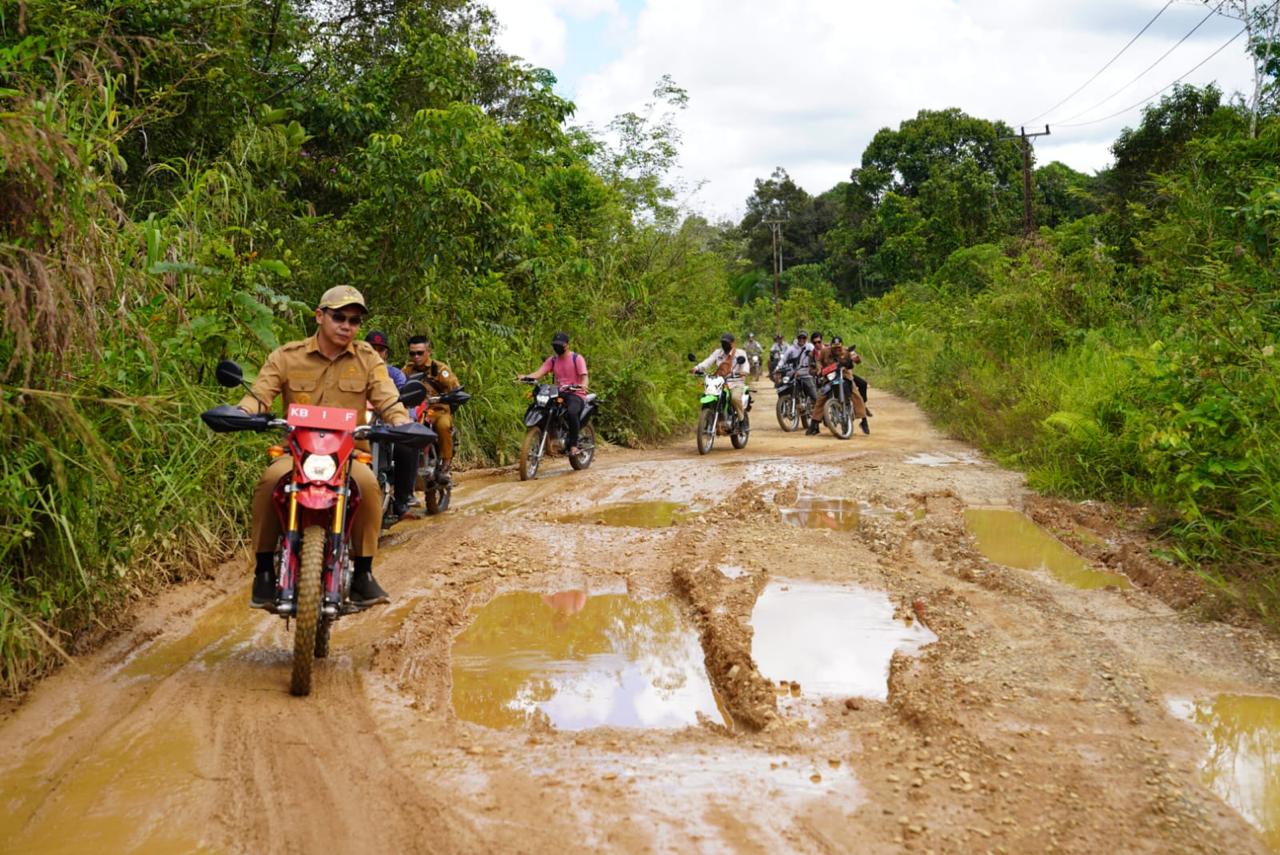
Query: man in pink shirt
[{"x": 570, "y": 370}]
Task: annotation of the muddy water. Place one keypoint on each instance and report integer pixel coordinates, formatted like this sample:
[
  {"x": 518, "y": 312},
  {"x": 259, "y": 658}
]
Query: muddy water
[
  {"x": 1010, "y": 538},
  {"x": 218, "y": 632},
  {"x": 115, "y": 799},
  {"x": 823, "y": 512},
  {"x": 1242, "y": 758},
  {"x": 573, "y": 661},
  {"x": 833, "y": 641},
  {"x": 633, "y": 514}
]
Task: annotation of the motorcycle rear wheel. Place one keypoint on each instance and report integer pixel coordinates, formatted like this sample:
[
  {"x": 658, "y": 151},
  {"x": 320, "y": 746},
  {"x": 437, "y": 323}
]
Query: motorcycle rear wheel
[
  {"x": 786, "y": 412},
  {"x": 530, "y": 453},
  {"x": 742, "y": 434},
  {"x": 706, "y": 430},
  {"x": 307, "y": 614},
  {"x": 322, "y": 637},
  {"x": 586, "y": 448}
]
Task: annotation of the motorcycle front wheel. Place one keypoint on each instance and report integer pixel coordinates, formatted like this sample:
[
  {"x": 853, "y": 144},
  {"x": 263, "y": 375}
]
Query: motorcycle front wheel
[
  {"x": 586, "y": 448},
  {"x": 530, "y": 453},
  {"x": 839, "y": 419},
  {"x": 786, "y": 411},
  {"x": 706, "y": 430},
  {"x": 307, "y": 614}
]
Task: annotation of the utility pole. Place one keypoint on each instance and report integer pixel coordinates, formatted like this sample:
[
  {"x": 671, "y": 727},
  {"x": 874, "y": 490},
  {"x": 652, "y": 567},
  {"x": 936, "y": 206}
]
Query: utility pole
[
  {"x": 1028, "y": 225},
  {"x": 775, "y": 227}
]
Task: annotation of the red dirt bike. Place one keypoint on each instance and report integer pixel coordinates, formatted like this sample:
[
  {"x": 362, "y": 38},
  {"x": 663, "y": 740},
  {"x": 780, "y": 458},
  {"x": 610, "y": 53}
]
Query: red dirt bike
[{"x": 316, "y": 505}]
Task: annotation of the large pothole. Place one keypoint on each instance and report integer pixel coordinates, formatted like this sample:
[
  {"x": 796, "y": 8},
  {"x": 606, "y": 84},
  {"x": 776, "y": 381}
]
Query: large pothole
[
  {"x": 833, "y": 641},
  {"x": 1010, "y": 538},
  {"x": 574, "y": 661}
]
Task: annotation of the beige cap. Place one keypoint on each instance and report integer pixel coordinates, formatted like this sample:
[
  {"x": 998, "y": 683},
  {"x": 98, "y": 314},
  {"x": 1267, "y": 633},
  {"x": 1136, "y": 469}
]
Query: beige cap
[{"x": 342, "y": 295}]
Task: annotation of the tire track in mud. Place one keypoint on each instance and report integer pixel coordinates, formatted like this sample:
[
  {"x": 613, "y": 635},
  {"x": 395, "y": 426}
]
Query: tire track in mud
[{"x": 1036, "y": 721}]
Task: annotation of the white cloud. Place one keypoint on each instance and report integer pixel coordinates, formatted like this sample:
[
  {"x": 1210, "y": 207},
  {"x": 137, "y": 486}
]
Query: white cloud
[{"x": 805, "y": 84}]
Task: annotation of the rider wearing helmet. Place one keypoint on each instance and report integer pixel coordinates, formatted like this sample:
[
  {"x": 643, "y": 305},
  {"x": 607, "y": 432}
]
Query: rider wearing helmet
[{"x": 725, "y": 359}]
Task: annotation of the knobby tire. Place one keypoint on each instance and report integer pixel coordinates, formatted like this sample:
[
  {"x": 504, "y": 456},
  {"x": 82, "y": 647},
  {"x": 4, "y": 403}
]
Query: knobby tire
[{"x": 307, "y": 614}]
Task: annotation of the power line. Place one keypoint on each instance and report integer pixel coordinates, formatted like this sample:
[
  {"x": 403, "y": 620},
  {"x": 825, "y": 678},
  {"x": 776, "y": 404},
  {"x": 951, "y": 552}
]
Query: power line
[
  {"x": 1144, "y": 72},
  {"x": 1161, "y": 92},
  {"x": 1104, "y": 68}
]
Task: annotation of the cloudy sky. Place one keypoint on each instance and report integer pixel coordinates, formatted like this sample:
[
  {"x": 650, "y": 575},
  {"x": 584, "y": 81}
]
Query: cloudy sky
[{"x": 805, "y": 84}]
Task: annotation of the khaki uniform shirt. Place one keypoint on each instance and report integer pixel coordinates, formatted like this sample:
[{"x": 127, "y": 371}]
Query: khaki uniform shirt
[
  {"x": 301, "y": 374},
  {"x": 437, "y": 377}
]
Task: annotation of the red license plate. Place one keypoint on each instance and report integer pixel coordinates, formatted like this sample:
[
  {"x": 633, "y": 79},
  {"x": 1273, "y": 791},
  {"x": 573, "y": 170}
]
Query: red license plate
[{"x": 326, "y": 418}]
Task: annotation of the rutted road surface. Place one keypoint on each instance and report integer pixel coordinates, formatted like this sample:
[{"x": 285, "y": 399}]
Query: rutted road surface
[{"x": 1044, "y": 717}]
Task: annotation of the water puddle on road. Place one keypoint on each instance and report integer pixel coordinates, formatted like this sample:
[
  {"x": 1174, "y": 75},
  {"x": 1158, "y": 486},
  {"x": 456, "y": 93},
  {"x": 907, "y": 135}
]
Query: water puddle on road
[
  {"x": 633, "y": 515},
  {"x": 122, "y": 797},
  {"x": 212, "y": 639},
  {"x": 823, "y": 512},
  {"x": 939, "y": 458},
  {"x": 576, "y": 661},
  {"x": 1010, "y": 538},
  {"x": 1242, "y": 760},
  {"x": 832, "y": 641}
]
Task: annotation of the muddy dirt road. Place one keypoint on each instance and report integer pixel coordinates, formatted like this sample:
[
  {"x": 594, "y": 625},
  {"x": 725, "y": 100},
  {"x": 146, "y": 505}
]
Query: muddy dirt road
[{"x": 794, "y": 647}]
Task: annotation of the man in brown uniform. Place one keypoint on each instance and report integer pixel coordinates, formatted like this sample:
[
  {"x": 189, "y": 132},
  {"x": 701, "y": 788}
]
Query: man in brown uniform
[
  {"x": 439, "y": 380},
  {"x": 331, "y": 368},
  {"x": 844, "y": 362}
]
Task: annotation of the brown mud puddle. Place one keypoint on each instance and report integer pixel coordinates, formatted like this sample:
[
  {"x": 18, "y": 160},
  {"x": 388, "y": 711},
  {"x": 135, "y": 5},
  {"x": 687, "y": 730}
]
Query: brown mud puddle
[
  {"x": 823, "y": 512},
  {"x": 632, "y": 515},
  {"x": 1242, "y": 758},
  {"x": 834, "y": 641},
  {"x": 573, "y": 661},
  {"x": 1010, "y": 538},
  {"x": 116, "y": 799}
]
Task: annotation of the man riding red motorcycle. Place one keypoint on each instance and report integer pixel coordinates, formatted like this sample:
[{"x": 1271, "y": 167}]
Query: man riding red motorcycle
[{"x": 319, "y": 499}]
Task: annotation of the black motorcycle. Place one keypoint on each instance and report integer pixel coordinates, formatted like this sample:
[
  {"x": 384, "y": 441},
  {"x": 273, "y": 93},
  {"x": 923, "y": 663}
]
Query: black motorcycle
[
  {"x": 838, "y": 414},
  {"x": 793, "y": 405},
  {"x": 383, "y": 465},
  {"x": 545, "y": 429},
  {"x": 436, "y": 486}
]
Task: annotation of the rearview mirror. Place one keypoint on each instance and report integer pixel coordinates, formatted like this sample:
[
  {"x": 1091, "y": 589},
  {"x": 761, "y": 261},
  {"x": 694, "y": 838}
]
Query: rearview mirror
[
  {"x": 228, "y": 374},
  {"x": 691, "y": 357},
  {"x": 742, "y": 360},
  {"x": 413, "y": 393}
]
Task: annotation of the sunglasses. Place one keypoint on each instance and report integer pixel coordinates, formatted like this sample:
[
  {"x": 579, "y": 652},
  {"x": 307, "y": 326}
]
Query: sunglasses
[
  {"x": 355, "y": 319},
  {"x": 417, "y": 353}
]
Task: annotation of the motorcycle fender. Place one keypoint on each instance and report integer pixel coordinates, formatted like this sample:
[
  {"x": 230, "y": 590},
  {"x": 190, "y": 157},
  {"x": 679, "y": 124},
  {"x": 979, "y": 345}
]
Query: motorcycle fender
[
  {"x": 317, "y": 497},
  {"x": 709, "y": 399},
  {"x": 532, "y": 417}
]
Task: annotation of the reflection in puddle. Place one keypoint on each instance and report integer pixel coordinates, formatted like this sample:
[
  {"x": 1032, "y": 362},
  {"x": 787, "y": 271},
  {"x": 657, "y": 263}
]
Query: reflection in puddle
[
  {"x": 822, "y": 512},
  {"x": 1242, "y": 764},
  {"x": 576, "y": 662},
  {"x": 1010, "y": 538},
  {"x": 121, "y": 797},
  {"x": 634, "y": 515},
  {"x": 832, "y": 641}
]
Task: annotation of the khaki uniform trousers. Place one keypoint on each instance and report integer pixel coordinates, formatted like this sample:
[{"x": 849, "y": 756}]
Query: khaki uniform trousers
[
  {"x": 366, "y": 524},
  {"x": 442, "y": 424}
]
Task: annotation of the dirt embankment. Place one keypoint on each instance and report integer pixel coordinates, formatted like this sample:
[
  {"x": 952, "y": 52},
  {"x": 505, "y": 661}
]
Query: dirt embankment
[{"x": 1038, "y": 720}]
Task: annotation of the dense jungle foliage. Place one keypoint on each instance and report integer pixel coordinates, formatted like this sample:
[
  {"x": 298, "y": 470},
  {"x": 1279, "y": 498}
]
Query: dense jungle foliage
[{"x": 180, "y": 180}]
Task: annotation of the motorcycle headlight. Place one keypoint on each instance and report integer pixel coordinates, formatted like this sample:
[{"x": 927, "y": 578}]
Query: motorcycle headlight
[
  {"x": 319, "y": 467},
  {"x": 543, "y": 399}
]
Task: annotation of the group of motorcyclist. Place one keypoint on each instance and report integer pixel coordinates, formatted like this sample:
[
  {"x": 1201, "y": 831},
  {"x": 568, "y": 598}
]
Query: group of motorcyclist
[
  {"x": 335, "y": 369},
  {"x": 810, "y": 359}
]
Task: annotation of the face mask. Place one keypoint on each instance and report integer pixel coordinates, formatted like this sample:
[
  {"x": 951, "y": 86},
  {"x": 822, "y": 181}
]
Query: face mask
[
  {"x": 558, "y": 348},
  {"x": 726, "y": 346}
]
